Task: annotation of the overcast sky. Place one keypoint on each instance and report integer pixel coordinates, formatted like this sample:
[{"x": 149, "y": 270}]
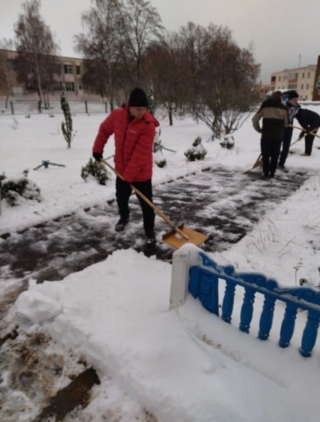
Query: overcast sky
[{"x": 283, "y": 33}]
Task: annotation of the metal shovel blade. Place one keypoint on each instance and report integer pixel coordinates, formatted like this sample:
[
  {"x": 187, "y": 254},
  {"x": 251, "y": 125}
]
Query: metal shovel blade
[{"x": 176, "y": 240}]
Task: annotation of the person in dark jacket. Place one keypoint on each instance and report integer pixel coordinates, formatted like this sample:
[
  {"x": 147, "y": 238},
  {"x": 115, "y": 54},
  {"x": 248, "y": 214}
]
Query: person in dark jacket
[
  {"x": 133, "y": 128},
  {"x": 312, "y": 120},
  {"x": 294, "y": 110},
  {"x": 274, "y": 117}
]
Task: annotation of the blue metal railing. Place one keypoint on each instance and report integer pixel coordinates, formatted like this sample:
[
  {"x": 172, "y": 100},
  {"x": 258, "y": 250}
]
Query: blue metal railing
[{"x": 204, "y": 283}]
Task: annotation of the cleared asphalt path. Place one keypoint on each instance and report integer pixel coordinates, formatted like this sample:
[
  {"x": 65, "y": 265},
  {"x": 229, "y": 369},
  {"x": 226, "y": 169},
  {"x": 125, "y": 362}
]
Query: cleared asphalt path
[{"x": 223, "y": 204}]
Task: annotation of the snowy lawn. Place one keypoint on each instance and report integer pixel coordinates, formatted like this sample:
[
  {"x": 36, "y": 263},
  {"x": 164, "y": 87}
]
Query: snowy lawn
[{"x": 182, "y": 365}]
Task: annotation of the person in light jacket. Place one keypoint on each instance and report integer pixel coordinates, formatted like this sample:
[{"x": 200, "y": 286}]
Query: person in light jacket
[{"x": 274, "y": 117}]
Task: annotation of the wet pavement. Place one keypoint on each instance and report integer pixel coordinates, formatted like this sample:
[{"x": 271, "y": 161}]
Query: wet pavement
[{"x": 222, "y": 204}]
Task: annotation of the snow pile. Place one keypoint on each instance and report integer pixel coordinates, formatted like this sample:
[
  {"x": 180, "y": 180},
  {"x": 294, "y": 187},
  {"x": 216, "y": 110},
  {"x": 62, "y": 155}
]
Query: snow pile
[
  {"x": 182, "y": 365},
  {"x": 37, "y": 306}
]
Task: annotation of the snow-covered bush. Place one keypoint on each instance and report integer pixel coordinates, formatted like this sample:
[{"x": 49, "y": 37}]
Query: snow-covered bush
[
  {"x": 13, "y": 190},
  {"x": 157, "y": 146},
  {"x": 197, "y": 141},
  {"x": 158, "y": 156},
  {"x": 159, "y": 159},
  {"x": 228, "y": 142},
  {"x": 197, "y": 152},
  {"x": 95, "y": 169}
]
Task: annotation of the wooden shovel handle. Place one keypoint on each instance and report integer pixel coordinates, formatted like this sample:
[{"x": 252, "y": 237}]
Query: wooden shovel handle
[
  {"x": 160, "y": 213},
  {"x": 310, "y": 133},
  {"x": 299, "y": 139}
]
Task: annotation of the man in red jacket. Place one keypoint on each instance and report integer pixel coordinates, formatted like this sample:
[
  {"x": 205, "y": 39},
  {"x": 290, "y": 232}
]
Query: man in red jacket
[{"x": 133, "y": 128}]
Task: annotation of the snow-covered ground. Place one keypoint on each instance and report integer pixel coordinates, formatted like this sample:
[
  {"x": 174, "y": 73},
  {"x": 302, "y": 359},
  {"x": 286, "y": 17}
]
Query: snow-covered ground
[{"x": 182, "y": 365}]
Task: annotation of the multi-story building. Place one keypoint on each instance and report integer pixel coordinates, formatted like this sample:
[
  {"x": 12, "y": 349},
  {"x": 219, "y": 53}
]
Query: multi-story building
[
  {"x": 68, "y": 75},
  {"x": 300, "y": 79},
  {"x": 262, "y": 89}
]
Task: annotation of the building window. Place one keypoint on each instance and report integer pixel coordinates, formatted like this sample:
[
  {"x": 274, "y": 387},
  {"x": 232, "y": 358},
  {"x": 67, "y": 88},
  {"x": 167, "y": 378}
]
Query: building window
[
  {"x": 292, "y": 86},
  {"x": 308, "y": 74},
  {"x": 301, "y": 86},
  {"x": 279, "y": 78},
  {"x": 68, "y": 69},
  {"x": 10, "y": 64},
  {"x": 293, "y": 76},
  {"x": 303, "y": 76},
  {"x": 78, "y": 70},
  {"x": 69, "y": 86},
  {"x": 273, "y": 78},
  {"x": 57, "y": 86},
  {"x": 307, "y": 86}
]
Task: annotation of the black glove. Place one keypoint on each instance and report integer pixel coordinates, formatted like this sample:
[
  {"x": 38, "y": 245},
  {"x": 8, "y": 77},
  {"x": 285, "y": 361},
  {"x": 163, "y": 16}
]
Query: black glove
[{"x": 97, "y": 156}]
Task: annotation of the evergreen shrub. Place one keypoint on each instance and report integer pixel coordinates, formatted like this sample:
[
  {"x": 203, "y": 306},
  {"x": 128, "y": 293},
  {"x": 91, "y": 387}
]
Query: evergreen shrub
[
  {"x": 95, "y": 169},
  {"x": 197, "y": 152},
  {"x": 12, "y": 190}
]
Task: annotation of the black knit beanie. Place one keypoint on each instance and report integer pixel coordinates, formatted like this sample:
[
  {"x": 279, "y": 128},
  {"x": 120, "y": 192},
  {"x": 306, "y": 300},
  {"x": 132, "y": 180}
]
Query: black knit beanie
[
  {"x": 138, "y": 98},
  {"x": 293, "y": 94}
]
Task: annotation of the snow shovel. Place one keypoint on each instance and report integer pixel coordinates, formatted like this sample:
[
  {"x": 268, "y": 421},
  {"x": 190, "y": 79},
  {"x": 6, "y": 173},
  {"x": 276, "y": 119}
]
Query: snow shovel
[
  {"x": 258, "y": 163},
  {"x": 179, "y": 235},
  {"x": 299, "y": 139},
  {"x": 309, "y": 133}
]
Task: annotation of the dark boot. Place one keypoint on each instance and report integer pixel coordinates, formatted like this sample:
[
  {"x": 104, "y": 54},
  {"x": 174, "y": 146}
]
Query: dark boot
[
  {"x": 150, "y": 241},
  {"x": 121, "y": 224}
]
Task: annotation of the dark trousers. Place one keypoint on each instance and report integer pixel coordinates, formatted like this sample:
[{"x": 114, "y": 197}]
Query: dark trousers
[
  {"x": 309, "y": 142},
  {"x": 123, "y": 193},
  {"x": 285, "y": 145},
  {"x": 270, "y": 150}
]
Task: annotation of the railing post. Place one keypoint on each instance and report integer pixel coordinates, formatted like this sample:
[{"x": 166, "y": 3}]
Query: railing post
[
  {"x": 179, "y": 278},
  {"x": 208, "y": 291},
  {"x": 86, "y": 106},
  {"x": 0, "y": 195},
  {"x": 11, "y": 107},
  {"x": 288, "y": 324},
  {"x": 106, "y": 106},
  {"x": 228, "y": 301},
  {"x": 266, "y": 318},
  {"x": 310, "y": 333},
  {"x": 247, "y": 309}
]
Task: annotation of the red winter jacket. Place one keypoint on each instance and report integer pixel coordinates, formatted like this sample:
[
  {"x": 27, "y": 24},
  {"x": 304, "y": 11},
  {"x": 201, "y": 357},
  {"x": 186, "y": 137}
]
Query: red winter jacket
[{"x": 133, "y": 143}]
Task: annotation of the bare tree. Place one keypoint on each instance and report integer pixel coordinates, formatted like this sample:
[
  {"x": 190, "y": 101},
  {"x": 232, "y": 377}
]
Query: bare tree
[
  {"x": 227, "y": 95},
  {"x": 139, "y": 24},
  {"x": 35, "y": 62},
  {"x": 5, "y": 82},
  {"x": 164, "y": 67},
  {"x": 100, "y": 47},
  {"x": 194, "y": 40}
]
